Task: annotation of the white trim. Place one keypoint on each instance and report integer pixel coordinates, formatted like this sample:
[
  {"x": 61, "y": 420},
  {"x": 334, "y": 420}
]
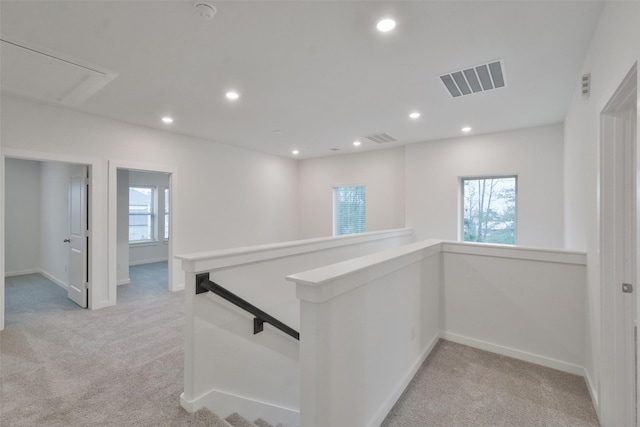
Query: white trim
[
  {"x": 213, "y": 260},
  {"x": 122, "y": 282},
  {"x": 516, "y": 252},
  {"x": 224, "y": 404},
  {"x": 516, "y": 354},
  {"x": 593, "y": 391},
  {"x": 388, "y": 404},
  {"x": 55, "y": 280},
  {"x": 21, "y": 272}
]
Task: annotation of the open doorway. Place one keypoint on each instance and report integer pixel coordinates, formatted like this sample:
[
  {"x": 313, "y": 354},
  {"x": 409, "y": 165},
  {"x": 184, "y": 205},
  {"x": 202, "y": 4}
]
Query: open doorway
[
  {"x": 143, "y": 227},
  {"x": 154, "y": 187},
  {"x": 47, "y": 238}
]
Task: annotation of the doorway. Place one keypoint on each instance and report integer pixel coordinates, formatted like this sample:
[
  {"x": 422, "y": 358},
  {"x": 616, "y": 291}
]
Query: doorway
[
  {"x": 143, "y": 217},
  {"x": 158, "y": 235},
  {"x": 619, "y": 228},
  {"x": 47, "y": 239}
]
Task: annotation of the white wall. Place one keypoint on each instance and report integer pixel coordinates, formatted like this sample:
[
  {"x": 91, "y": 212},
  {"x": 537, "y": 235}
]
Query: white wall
[
  {"x": 54, "y": 220},
  {"x": 226, "y": 196},
  {"x": 433, "y": 170},
  {"x": 522, "y": 303},
  {"x": 22, "y": 206},
  {"x": 382, "y": 172},
  {"x": 122, "y": 269},
  {"x": 614, "y": 49},
  {"x": 152, "y": 251}
]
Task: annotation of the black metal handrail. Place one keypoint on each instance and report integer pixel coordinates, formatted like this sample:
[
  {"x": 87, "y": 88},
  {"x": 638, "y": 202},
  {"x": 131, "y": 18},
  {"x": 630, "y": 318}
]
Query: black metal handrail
[{"x": 203, "y": 284}]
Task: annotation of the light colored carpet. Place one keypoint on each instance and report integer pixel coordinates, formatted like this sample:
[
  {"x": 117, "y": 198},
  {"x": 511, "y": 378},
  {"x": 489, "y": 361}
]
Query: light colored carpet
[
  {"x": 61, "y": 365},
  {"x": 463, "y": 386}
]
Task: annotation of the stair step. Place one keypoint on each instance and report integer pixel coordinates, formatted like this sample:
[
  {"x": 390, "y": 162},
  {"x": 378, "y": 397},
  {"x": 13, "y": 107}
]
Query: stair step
[
  {"x": 237, "y": 420},
  {"x": 204, "y": 417},
  {"x": 262, "y": 423}
]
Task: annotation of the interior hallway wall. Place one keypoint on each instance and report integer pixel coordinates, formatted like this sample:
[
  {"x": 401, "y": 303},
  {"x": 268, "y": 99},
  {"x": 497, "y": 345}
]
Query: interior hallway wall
[
  {"x": 535, "y": 155},
  {"x": 381, "y": 171},
  {"x": 225, "y": 196},
  {"x": 22, "y": 216},
  {"x": 613, "y": 51}
]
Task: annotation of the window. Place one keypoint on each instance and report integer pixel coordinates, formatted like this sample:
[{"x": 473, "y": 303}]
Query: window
[
  {"x": 166, "y": 213},
  {"x": 349, "y": 210},
  {"x": 489, "y": 209},
  {"x": 142, "y": 214}
]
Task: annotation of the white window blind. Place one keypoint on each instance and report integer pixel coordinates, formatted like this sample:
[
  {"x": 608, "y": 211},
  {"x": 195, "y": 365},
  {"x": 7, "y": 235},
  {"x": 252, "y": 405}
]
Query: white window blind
[{"x": 349, "y": 210}]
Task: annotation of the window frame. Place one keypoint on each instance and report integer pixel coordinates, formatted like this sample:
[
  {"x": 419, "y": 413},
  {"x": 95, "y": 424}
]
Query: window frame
[
  {"x": 153, "y": 216},
  {"x": 334, "y": 193},
  {"x": 461, "y": 206}
]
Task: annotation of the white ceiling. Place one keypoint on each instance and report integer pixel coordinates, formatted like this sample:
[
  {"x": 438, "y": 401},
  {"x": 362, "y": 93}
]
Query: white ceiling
[{"x": 317, "y": 72}]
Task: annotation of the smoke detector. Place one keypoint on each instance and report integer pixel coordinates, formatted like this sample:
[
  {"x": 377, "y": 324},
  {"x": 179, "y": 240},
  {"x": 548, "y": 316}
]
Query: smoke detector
[{"x": 205, "y": 10}]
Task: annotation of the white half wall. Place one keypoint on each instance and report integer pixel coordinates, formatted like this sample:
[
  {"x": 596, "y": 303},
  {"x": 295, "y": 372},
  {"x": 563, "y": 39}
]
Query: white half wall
[
  {"x": 22, "y": 210},
  {"x": 434, "y": 168},
  {"x": 381, "y": 171}
]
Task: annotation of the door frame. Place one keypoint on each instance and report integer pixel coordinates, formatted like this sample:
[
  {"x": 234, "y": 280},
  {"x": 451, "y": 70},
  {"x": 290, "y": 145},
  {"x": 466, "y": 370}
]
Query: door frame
[
  {"x": 97, "y": 270},
  {"x": 174, "y": 283},
  {"x": 618, "y": 146}
]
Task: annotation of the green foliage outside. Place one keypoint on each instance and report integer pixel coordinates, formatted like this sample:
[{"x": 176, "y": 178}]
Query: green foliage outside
[{"x": 490, "y": 210}]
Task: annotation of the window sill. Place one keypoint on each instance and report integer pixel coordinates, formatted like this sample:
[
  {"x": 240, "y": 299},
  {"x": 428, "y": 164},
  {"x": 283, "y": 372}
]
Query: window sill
[{"x": 143, "y": 243}]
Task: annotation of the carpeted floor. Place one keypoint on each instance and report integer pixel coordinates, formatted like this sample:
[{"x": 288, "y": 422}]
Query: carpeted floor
[
  {"x": 123, "y": 365},
  {"x": 61, "y": 365},
  {"x": 463, "y": 386}
]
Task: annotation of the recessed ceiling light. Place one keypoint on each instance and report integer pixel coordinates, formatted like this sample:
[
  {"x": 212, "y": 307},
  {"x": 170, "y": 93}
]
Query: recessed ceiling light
[
  {"x": 233, "y": 95},
  {"x": 466, "y": 129},
  {"x": 167, "y": 120},
  {"x": 385, "y": 25},
  {"x": 414, "y": 115},
  {"x": 295, "y": 152},
  {"x": 356, "y": 143}
]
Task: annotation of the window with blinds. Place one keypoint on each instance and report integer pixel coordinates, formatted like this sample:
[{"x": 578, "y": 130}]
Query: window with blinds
[{"x": 349, "y": 210}]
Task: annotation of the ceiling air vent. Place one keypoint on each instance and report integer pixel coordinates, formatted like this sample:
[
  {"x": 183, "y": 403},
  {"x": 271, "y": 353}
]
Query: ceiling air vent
[
  {"x": 585, "y": 85},
  {"x": 480, "y": 78},
  {"x": 380, "y": 138}
]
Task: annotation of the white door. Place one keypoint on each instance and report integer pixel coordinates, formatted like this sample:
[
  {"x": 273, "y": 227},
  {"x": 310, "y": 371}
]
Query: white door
[{"x": 78, "y": 236}]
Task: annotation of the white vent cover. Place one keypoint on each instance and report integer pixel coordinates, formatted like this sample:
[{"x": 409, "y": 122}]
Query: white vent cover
[
  {"x": 480, "y": 78},
  {"x": 47, "y": 75},
  {"x": 381, "y": 138}
]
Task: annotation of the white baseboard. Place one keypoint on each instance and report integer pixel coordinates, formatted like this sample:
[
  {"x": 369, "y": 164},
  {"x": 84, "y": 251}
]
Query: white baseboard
[
  {"x": 224, "y": 404},
  {"x": 516, "y": 354},
  {"x": 21, "y": 272},
  {"x": 395, "y": 394},
  {"x": 593, "y": 391},
  {"x": 55, "y": 280},
  {"x": 123, "y": 282}
]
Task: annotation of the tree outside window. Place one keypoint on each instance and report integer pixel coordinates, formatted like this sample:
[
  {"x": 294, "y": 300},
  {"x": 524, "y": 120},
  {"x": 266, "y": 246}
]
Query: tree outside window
[{"x": 489, "y": 209}]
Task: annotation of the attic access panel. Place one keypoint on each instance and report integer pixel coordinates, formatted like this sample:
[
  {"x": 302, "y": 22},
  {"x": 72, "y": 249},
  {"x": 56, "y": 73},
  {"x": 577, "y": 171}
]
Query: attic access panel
[
  {"x": 480, "y": 78},
  {"x": 50, "y": 76}
]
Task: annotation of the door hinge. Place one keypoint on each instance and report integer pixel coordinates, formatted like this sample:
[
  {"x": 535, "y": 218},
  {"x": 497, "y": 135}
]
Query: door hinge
[{"x": 627, "y": 288}]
